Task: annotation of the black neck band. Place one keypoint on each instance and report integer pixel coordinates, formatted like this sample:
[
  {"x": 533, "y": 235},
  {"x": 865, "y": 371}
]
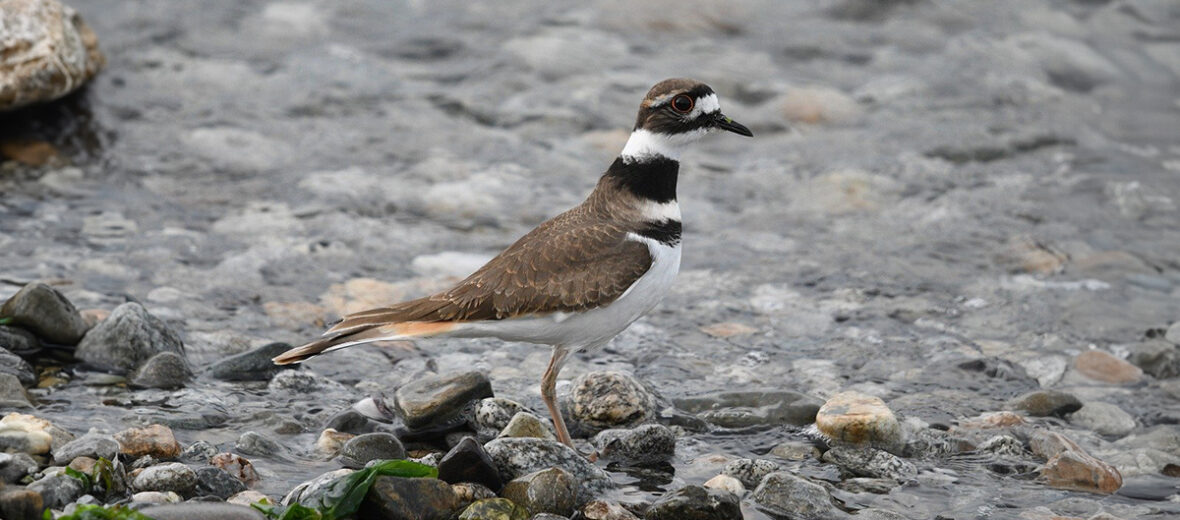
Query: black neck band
[{"x": 652, "y": 177}]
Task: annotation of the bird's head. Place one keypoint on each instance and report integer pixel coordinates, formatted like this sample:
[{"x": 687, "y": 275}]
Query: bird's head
[{"x": 676, "y": 112}]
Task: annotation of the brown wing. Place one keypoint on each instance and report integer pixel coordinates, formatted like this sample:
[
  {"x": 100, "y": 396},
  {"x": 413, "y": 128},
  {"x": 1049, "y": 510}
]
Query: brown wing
[{"x": 568, "y": 264}]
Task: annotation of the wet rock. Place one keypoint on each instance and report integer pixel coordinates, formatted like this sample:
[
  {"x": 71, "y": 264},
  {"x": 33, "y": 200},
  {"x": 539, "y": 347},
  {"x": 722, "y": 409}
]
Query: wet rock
[
  {"x": 1101, "y": 366},
  {"x": 21, "y": 504},
  {"x": 409, "y": 498},
  {"x": 492, "y": 415},
  {"x": 726, "y": 483},
  {"x": 879, "y": 514},
  {"x": 166, "y": 370},
  {"x": 14, "y": 466},
  {"x": 878, "y": 486},
  {"x": 301, "y": 382},
  {"x": 602, "y": 400},
  {"x": 857, "y": 418},
  {"x": 796, "y": 450},
  {"x": 41, "y": 309},
  {"x": 200, "y": 451},
  {"x": 126, "y": 339},
  {"x": 603, "y": 510},
  {"x": 436, "y": 399},
  {"x": 58, "y": 490},
  {"x": 312, "y": 490},
  {"x": 361, "y": 449},
  {"x": 750, "y": 472},
  {"x": 872, "y": 463},
  {"x": 202, "y": 511},
  {"x": 94, "y": 445},
  {"x": 1079, "y": 471},
  {"x": 785, "y": 494},
  {"x": 1159, "y": 358},
  {"x": 49, "y": 52},
  {"x": 1045, "y": 403},
  {"x": 551, "y": 490},
  {"x": 992, "y": 420},
  {"x": 1173, "y": 333},
  {"x": 494, "y": 509},
  {"x": 514, "y": 457},
  {"x": 156, "y": 497},
  {"x": 14, "y": 365},
  {"x": 254, "y": 443},
  {"x": 12, "y": 393},
  {"x": 468, "y": 462},
  {"x": 1103, "y": 419},
  {"x": 350, "y": 421},
  {"x": 695, "y": 503},
  {"x": 525, "y": 424},
  {"x": 212, "y": 481},
  {"x": 156, "y": 440},
  {"x": 27, "y": 434},
  {"x": 237, "y": 466},
  {"x": 644, "y": 444},
  {"x": 18, "y": 341},
  {"x": 1003, "y": 445},
  {"x": 330, "y": 441},
  {"x": 252, "y": 365},
  {"x": 469, "y": 492},
  {"x": 547, "y": 516},
  {"x": 171, "y": 476},
  {"x": 753, "y": 408}
]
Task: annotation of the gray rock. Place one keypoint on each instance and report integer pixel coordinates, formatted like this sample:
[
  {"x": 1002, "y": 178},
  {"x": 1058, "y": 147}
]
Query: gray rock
[
  {"x": 1044, "y": 403},
  {"x": 492, "y": 415},
  {"x": 753, "y": 408},
  {"x": 312, "y": 490},
  {"x": 212, "y": 481},
  {"x": 252, "y": 365},
  {"x": 641, "y": 445},
  {"x": 18, "y": 341},
  {"x": 14, "y": 466},
  {"x": 171, "y": 476},
  {"x": 784, "y": 494},
  {"x": 301, "y": 382},
  {"x": 468, "y": 462},
  {"x": 21, "y": 504},
  {"x": 1173, "y": 333},
  {"x": 166, "y": 370},
  {"x": 750, "y": 472},
  {"x": 127, "y": 338},
  {"x": 416, "y": 498},
  {"x": 254, "y": 443},
  {"x": 43, "y": 310},
  {"x": 1159, "y": 358},
  {"x": 361, "y": 449},
  {"x": 871, "y": 462},
  {"x": 520, "y": 456},
  {"x": 695, "y": 503},
  {"x": 58, "y": 490},
  {"x": 879, "y": 514},
  {"x": 879, "y": 486},
  {"x": 13, "y": 364},
  {"x": 202, "y": 511},
  {"x": 94, "y": 445},
  {"x": 12, "y": 393},
  {"x": 552, "y": 490},
  {"x": 525, "y": 424},
  {"x": 1103, "y": 419},
  {"x": 200, "y": 451},
  {"x": 603, "y": 400},
  {"x": 547, "y": 516},
  {"x": 51, "y": 52},
  {"x": 1003, "y": 445},
  {"x": 434, "y": 400},
  {"x": 796, "y": 450}
]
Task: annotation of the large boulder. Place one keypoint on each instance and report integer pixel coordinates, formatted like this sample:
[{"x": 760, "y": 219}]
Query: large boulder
[
  {"x": 46, "y": 51},
  {"x": 128, "y": 337},
  {"x": 37, "y": 307}
]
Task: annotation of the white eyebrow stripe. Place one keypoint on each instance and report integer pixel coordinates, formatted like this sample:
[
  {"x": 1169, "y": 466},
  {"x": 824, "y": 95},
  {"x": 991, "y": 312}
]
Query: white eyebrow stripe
[{"x": 707, "y": 104}]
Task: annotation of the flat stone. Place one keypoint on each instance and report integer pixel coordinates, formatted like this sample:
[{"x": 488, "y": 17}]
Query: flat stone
[
  {"x": 494, "y": 509},
  {"x": 21, "y": 504},
  {"x": 28, "y": 434},
  {"x": 784, "y": 494},
  {"x": 645, "y": 444},
  {"x": 857, "y": 418},
  {"x": 727, "y": 483},
  {"x": 468, "y": 462},
  {"x": 252, "y": 365},
  {"x": 436, "y": 399},
  {"x": 49, "y": 52},
  {"x": 753, "y": 408},
  {"x": 94, "y": 445},
  {"x": 695, "y": 503},
  {"x": 870, "y": 462},
  {"x": 525, "y": 424},
  {"x": 256, "y": 444},
  {"x": 127, "y": 338},
  {"x": 552, "y": 490},
  {"x": 202, "y": 511},
  {"x": 14, "y": 365},
  {"x": 409, "y": 499},
  {"x": 361, "y": 449},
  {"x": 156, "y": 440},
  {"x": 38, "y": 307},
  {"x": 602, "y": 400},
  {"x": 514, "y": 457},
  {"x": 12, "y": 393},
  {"x": 58, "y": 490},
  {"x": 1103, "y": 419},
  {"x": 796, "y": 450},
  {"x": 1104, "y": 367},
  {"x": 213, "y": 481},
  {"x": 1045, "y": 403},
  {"x": 170, "y": 476},
  {"x": 167, "y": 370}
]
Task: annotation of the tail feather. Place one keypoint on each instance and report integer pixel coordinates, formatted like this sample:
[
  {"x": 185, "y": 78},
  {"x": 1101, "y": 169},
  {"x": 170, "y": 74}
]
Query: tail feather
[{"x": 370, "y": 332}]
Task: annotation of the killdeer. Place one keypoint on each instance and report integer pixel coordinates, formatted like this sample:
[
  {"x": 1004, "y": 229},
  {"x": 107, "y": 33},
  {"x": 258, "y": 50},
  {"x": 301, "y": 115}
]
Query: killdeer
[{"x": 580, "y": 278}]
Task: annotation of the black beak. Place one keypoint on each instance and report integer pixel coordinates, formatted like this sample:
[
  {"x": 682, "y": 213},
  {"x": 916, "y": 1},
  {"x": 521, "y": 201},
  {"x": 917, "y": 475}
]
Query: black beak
[{"x": 725, "y": 123}]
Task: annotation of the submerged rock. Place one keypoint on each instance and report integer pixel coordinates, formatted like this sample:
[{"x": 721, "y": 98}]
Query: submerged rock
[
  {"x": 551, "y": 490},
  {"x": 695, "y": 503},
  {"x": 753, "y": 408},
  {"x": 602, "y": 400},
  {"x": 869, "y": 462},
  {"x": 166, "y": 370},
  {"x": 858, "y": 418},
  {"x": 130, "y": 336},
  {"x": 1070, "y": 467},
  {"x": 48, "y": 52},
  {"x": 252, "y": 365},
  {"x": 641, "y": 445},
  {"x": 410, "y": 498},
  {"x": 437, "y": 399},
  {"x": 254, "y": 443}
]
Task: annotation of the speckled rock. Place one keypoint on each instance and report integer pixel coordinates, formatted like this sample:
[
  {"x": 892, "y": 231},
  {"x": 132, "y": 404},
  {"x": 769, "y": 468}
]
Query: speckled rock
[
  {"x": 29, "y": 434},
  {"x": 212, "y": 481},
  {"x": 857, "y": 418},
  {"x": 785, "y": 494},
  {"x": 525, "y": 424},
  {"x": 409, "y": 498},
  {"x": 202, "y": 511},
  {"x": 468, "y": 462},
  {"x": 602, "y": 400},
  {"x": 201, "y": 452},
  {"x": 252, "y": 365},
  {"x": 795, "y": 450},
  {"x": 436, "y": 399},
  {"x": 492, "y": 415},
  {"x": 58, "y": 490},
  {"x": 301, "y": 382},
  {"x": 156, "y": 440},
  {"x": 551, "y": 490},
  {"x": 130, "y": 336},
  {"x": 16, "y": 366},
  {"x": 603, "y": 510},
  {"x": 750, "y": 472},
  {"x": 167, "y": 370},
  {"x": 869, "y": 462},
  {"x": 644, "y": 444},
  {"x": 38, "y": 307},
  {"x": 361, "y": 449},
  {"x": 1044, "y": 403},
  {"x": 752, "y": 408},
  {"x": 494, "y": 509},
  {"x": 21, "y": 504},
  {"x": 171, "y": 476},
  {"x": 48, "y": 52},
  {"x": 520, "y": 456},
  {"x": 236, "y": 465},
  {"x": 695, "y": 503},
  {"x": 256, "y": 444},
  {"x": 94, "y": 445}
]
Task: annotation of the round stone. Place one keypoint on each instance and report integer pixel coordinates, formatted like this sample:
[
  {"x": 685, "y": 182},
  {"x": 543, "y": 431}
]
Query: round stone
[{"x": 858, "y": 418}]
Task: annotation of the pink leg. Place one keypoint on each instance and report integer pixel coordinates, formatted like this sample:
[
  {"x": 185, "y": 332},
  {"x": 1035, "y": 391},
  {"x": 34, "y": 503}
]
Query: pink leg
[{"x": 549, "y": 394}]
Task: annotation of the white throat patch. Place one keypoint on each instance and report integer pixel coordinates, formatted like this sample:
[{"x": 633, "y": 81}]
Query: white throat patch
[{"x": 645, "y": 144}]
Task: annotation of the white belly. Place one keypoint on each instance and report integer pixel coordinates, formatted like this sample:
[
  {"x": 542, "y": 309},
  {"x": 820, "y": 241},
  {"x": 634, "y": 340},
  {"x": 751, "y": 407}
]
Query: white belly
[{"x": 581, "y": 330}]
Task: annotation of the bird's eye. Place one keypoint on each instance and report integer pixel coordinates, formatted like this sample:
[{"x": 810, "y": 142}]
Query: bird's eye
[{"x": 682, "y": 103}]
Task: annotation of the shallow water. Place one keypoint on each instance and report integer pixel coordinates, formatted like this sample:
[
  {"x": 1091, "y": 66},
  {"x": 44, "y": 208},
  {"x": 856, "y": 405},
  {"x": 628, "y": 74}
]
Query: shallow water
[{"x": 914, "y": 165}]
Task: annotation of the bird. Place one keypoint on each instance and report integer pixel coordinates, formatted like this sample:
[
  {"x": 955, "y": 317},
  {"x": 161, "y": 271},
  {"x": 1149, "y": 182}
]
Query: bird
[{"x": 579, "y": 279}]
